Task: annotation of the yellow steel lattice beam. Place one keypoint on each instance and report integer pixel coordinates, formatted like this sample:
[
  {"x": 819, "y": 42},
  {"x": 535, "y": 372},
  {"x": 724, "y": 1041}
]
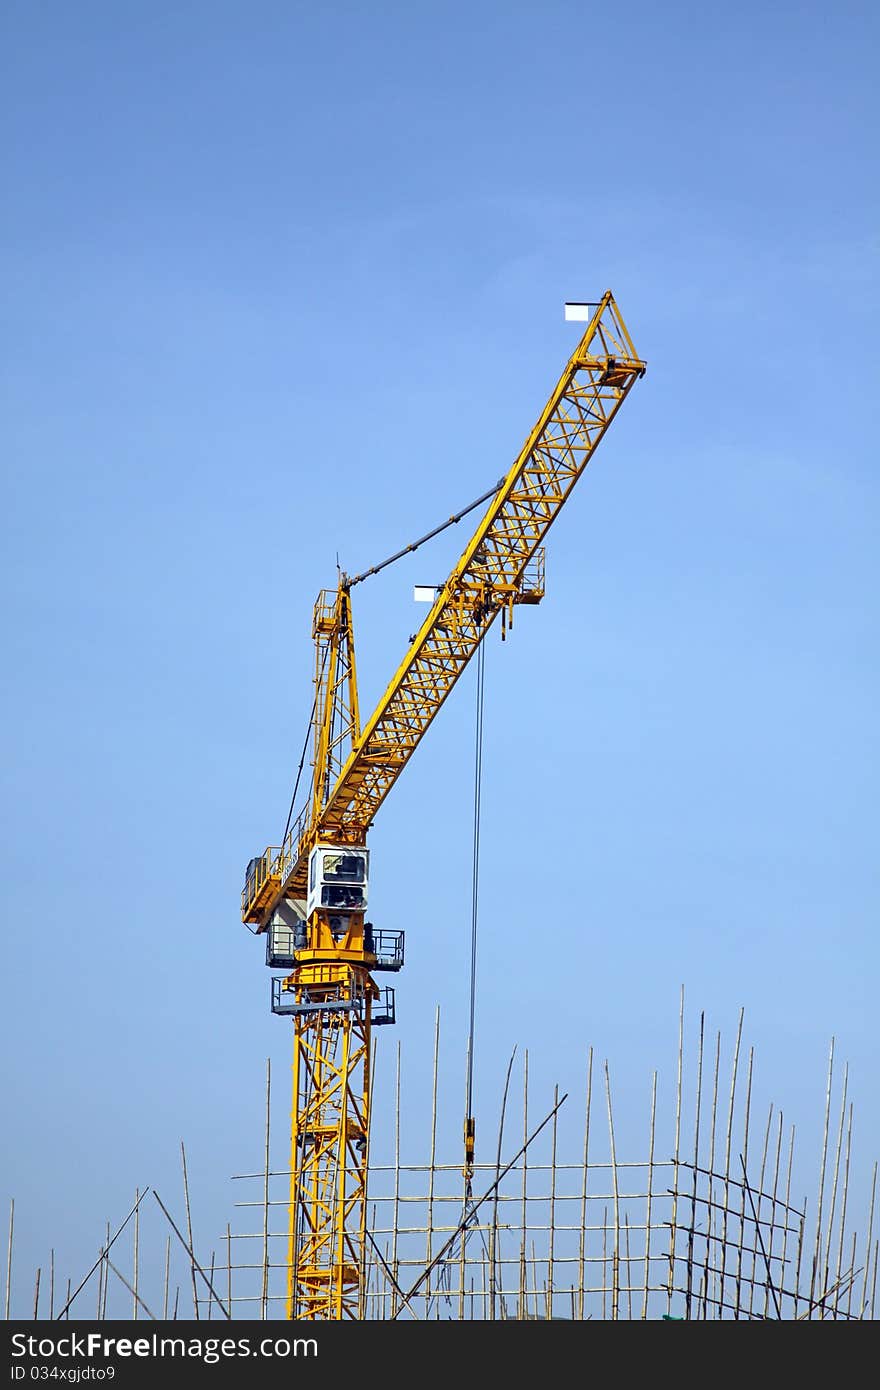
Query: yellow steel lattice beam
[{"x": 590, "y": 391}]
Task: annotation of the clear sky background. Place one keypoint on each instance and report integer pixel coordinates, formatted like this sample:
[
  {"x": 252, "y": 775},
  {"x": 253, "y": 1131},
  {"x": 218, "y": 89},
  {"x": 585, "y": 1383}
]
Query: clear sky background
[{"x": 285, "y": 282}]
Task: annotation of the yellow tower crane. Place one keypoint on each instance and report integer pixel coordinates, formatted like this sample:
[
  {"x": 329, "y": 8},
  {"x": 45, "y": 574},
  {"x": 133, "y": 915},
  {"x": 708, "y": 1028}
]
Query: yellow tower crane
[{"x": 309, "y": 894}]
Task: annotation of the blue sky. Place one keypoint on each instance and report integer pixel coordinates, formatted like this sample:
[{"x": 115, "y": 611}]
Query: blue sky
[{"x": 285, "y": 282}]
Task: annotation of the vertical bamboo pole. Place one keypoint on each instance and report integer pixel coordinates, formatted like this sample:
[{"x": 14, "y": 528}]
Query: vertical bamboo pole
[
  {"x": 525, "y": 1169},
  {"x": 211, "y": 1277},
  {"x": 787, "y": 1218},
  {"x": 167, "y": 1272},
  {"x": 228, "y": 1268},
  {"x": 394, "y": 1269},
  {"x": 37, "y": 1295},
  {"x": 650, "y": 1194},
  {"x": 771, "y": 1236},
  {"x": 818, "y": 1244},
  {"x": 852, "y": 1281},
  {"x": 843, "y": 1201},
  {"x": 605, "y": 1289},
  {"x": 134, "y": 1282},
  {"x": 495, "y": 1266},
  {"x": 9, "y": 1256},
  {"x": 264, "y": 1292},
  {"x": 552, "y": 1242},
  {"x": 429, "y": 1252},
  {"x": 106, "y": 1272},
  {"x": 800, "y": 1251},
  {"x": 826, "y": 1264},
  {"x": 710, "y": 1275},
  {"x": 742, "y": 1186},
  {"x": 673, "y": 1225},
  {"x": 67, "y": 1303},
  {"x": 189, "y": 1234},
  {"x": 693, "y": 1220},
  {"x": 727, "y": 1143},
  {"x": 583, "y": 1231},
  {"x": 826, "y": 1267},
  {"x": 756, "y": 1243},
  {"x": 615, "y": 1267},
  {"x": 864, "y": 1303},
  {"x": 176, "y": 1300}
]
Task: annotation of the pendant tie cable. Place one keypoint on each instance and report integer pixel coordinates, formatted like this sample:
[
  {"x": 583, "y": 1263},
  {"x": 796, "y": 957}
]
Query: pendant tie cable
[
  {"x": 408, "y": 549},
  {"x": 302, "y": 759}
]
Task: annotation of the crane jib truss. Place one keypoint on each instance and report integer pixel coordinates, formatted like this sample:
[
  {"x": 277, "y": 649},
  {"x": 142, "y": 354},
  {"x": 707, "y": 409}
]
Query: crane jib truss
[{"x": 330, "y": 992}]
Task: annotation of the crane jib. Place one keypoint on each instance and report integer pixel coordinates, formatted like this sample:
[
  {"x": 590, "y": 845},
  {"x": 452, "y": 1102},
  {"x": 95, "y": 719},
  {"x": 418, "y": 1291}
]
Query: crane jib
[{"x": 491, "y": 576}]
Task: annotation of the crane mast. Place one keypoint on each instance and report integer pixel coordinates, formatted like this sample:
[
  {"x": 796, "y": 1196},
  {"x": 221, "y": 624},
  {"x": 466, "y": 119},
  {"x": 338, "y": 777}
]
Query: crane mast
[{"x": 309, "y": 895}]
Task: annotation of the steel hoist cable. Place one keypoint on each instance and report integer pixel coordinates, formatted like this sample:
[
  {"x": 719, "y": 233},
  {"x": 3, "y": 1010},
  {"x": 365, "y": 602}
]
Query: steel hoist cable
[{"x": 469, "y": 1123}]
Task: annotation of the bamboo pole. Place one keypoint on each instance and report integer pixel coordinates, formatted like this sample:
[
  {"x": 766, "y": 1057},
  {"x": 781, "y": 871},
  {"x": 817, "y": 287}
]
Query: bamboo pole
[
  {"x": 787, "y": 1210},
  {"x": 864, "y": 1303},
  {"x": 843, "y": 1202},
  {"x": 106, "y": 1269},
  {"x": 121, "y": 1277},
  {"x": 711, "y": 1215},
  {"x": 430, "y": 1232},
  {"x": 800, "y": 1251},
  {"x": 817, "y": 1249},
  {"x": 264, "y": 1293},
  {"x": 673, "y": 1225},
  {"x": 51, "y": 1284},
  {"x": 228, "y": 1266},
  {"x": 650, "y": 1194},
  {"x": 727, "y": 1143},
  {"x": 137, "y": 1218},
  {"x": 760, "y": 1238},
  {"x": 523, "y": 1279},
  {"x": 189, "y": 1233},
  {"x": 773, "y": 1206},
  {"x": 757, "y": 1209},
  {"x": 693, "y": 1220},
  {"x": 826, "y": 1267},
  {"x": 615, "y": 1258},
  {"x": 9, "y": 1256},
  {"x": 211, "y": 1276},
  {"x": 167, "y": 1271},
  {"x": 493, "y": 1234},
  {"x": 84, "y": 1282},
  {"x": 742, "y": 1191},
  {"x": 189, "y": 1251},
  {"x": 852, "y": 1281},
  {"x": 37, "y": 1295},
  {"x": 583, "y": 1231},
  {"x": 552, "y": 1241},
  {"x": 605, "y": 1265}
]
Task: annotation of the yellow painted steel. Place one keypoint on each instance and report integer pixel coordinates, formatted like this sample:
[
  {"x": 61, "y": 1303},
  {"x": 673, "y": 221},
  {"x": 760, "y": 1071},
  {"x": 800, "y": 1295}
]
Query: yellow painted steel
[
  {"x": 328, "y": 1157},
  {"x": 354, "y": 769}
]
